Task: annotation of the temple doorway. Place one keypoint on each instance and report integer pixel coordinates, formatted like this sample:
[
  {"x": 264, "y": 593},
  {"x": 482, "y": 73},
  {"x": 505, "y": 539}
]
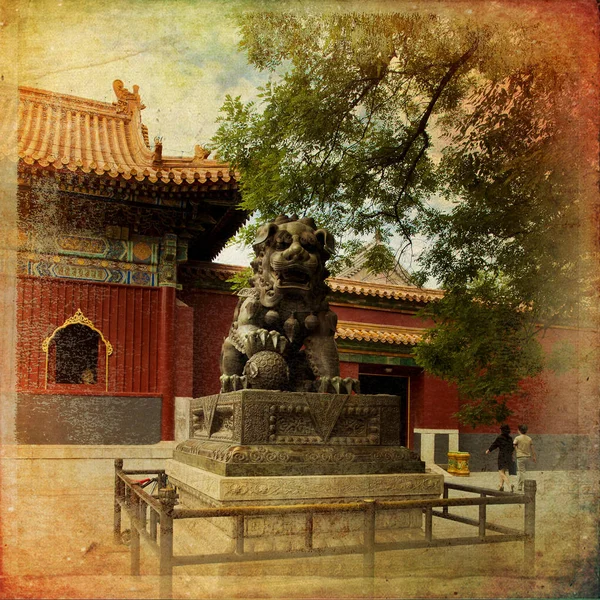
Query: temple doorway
[{"x": 371, "y": 383}]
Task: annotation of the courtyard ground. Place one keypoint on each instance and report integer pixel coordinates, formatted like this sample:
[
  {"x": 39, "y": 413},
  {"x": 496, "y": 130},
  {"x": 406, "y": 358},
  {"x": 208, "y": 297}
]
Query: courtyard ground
[{"x": 57, "y": 508}]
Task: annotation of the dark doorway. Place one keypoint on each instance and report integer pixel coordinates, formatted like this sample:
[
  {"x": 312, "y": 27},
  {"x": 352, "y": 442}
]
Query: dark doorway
[
  {"x": 77, "y": 355},
  {"x": 393, "y": 385}
]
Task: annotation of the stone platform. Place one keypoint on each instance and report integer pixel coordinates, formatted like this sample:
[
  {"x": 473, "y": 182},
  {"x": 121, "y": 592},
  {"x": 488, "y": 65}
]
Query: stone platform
[
  {"x": 199, "y": 488},
  {"x": 219, "y": 490}
]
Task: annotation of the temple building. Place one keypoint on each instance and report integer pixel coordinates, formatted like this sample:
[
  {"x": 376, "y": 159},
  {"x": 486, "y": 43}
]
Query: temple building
[{"x": 122, "y": 311}]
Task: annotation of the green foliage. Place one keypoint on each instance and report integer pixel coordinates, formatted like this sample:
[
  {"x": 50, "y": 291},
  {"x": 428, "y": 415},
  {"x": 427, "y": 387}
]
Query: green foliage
[
  {"x": 485, "y": 342},
  {"x": 339, "y": 134},
  {"x": 380, "y": 259},
  {"x": 484, "y": 411},
  {"x": 241, "y": 280},
  {"x": 436, "y": 127}
]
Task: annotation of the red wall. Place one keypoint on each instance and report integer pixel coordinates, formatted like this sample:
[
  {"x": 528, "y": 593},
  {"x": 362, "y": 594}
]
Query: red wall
[
  {"x": 381, "y": 317},
  {"x": 554, "y": 406},
  {"x": 126, "y": 316},
  {"x": 349, "y": 369},
  {"x": 557, "y": 402},
  {"x": 184, "y": 350},
  {"x": 213, "y": 314},
  {"x": 433, "y": 403}
]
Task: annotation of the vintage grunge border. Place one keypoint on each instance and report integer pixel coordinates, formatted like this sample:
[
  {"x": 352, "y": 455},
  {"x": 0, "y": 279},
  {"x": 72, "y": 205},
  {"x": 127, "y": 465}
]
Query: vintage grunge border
[{"x": 31, "y": 483}]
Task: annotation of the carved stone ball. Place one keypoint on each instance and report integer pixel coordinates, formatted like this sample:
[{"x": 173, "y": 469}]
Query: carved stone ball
[
  {"x": 267, "y": 371},
  {"x": 271, "y": 317}
]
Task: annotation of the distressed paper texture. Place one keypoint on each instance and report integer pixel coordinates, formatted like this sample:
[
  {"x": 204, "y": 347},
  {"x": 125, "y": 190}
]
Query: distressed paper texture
[{"x": 56, "y": 502}]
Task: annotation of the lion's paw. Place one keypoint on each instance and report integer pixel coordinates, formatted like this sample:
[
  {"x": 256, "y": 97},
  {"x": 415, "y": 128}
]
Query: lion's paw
[
  {"x": 232, "y": 383},
  {"x": 262, "y": 340},
  {"x": 337, "y": 385}
]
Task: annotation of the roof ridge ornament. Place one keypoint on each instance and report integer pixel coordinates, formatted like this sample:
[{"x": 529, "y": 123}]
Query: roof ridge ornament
[
  {"x": 146, "y": 136},
  {"x": 127, "y": 101},
  {"x": 157, "y": 156},
  {"x": 201, "y": 153}
]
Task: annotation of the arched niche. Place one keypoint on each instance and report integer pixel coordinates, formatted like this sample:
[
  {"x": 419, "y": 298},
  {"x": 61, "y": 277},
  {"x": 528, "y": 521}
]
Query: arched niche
[{"x": 77, "y": 345}]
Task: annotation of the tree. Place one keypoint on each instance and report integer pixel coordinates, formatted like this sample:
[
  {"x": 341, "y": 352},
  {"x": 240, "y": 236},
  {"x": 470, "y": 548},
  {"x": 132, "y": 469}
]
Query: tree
[{"x": 414, "y": 124}]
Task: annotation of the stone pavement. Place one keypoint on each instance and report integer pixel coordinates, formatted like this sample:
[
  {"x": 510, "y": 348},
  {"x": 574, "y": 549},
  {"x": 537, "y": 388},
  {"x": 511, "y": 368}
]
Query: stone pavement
[{"x": 57, "y": 543}]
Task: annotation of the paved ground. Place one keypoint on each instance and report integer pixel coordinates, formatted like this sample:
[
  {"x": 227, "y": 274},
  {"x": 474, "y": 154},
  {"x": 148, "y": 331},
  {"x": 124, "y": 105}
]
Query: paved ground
[{"x": 57, "y": 543}]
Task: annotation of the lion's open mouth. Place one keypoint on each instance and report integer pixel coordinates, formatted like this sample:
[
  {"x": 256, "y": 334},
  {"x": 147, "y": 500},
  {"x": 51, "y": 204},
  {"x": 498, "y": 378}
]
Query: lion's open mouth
[{"x": 294, "y": 278}]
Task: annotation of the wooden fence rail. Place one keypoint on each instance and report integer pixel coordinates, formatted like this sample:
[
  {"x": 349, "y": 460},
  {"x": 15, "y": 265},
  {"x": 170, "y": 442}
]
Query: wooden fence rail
[{"x": 152, "y": 517}]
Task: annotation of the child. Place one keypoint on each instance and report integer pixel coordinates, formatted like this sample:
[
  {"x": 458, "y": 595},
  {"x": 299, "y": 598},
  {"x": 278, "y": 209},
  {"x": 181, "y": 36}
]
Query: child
[{"x": 524, "y": 447}]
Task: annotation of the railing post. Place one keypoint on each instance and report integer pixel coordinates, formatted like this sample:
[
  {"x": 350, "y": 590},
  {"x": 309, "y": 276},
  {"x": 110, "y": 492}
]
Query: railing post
[
  {"x": 369, "y": 539},
  {"x": 239, "y": 534},
  {"x": 529, "y": 528},
  {"x": 482, "y": 517},
  {"x": 428, "y": 523},
  {"x": 168, "y": 499},
  {"x": 143, "y": 514},
  {"x": 308, "y": 531},
  {"x": 117, "y": 507},
  {"x": 153, "y": 523},
  {"x": 445, "y": 496},
  {"x": 135, "y": 538}
]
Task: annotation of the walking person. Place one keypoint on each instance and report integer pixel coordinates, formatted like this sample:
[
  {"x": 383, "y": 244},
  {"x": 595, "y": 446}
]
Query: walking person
[
  {"x": 504, "y": 444},
  {"x": 524, "y": 447}
]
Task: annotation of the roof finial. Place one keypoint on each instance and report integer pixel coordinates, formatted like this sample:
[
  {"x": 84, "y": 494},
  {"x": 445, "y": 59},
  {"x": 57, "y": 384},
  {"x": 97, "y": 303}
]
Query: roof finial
[
  {"x": 127, "y": 101},
  {"x": 157, "y": 158},
  {"x": 201, "y": 153}
]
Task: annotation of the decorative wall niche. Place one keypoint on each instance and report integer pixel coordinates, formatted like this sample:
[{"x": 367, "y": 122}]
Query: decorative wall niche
[{"x": 75, "y": 347}]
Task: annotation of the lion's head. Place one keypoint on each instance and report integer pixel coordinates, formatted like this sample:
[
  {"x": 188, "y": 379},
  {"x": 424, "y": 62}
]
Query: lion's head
[{"x": 290, "y": 259}]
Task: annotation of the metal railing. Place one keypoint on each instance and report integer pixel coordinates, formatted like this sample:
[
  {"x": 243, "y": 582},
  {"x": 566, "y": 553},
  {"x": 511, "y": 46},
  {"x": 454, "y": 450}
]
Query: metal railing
[{"x": 153, "y": 514}]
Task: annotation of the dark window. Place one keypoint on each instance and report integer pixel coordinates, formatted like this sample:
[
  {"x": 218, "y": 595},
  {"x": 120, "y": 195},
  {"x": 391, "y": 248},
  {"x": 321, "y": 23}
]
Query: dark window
[
  {"x": 77, "y": 355},
  {"x": 441, "y": 448}
]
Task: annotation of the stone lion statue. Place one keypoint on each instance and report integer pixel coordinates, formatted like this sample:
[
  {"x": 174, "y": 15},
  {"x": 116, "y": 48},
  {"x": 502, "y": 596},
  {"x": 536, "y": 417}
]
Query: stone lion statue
[{"x": 282, "y": 336}]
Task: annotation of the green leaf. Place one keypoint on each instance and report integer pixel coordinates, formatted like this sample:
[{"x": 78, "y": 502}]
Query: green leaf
[{"x": 241, "y": 280}]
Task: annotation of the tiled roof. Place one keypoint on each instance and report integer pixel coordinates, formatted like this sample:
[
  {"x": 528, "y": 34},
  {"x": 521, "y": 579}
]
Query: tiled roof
[
  {"x": 345, "y": 286},
  {"x": 370, "y": 332},
  {"x": 358, "y": 271},
  {"x": 211, "y": 270},
  {"x": 380, "y": 290},
  {"x": 79, "y": 134}
]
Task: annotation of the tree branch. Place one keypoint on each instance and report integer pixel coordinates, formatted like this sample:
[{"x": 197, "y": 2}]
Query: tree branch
[{"x": 422, "y": 126}]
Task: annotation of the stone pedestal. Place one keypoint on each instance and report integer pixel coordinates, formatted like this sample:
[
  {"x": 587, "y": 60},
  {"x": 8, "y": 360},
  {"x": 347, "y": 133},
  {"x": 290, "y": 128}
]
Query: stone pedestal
[
  {"x": 260, "y": 432},
  {"x": 258, "y": 448}
]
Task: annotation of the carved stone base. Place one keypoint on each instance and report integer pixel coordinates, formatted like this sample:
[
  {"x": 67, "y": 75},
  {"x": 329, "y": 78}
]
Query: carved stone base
[
  {"x": 252, "y": 417},
  {"x": 200, "y": 488},
  {"x": 237, "y": 460},
  {"x": 261, "y": 432}
]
